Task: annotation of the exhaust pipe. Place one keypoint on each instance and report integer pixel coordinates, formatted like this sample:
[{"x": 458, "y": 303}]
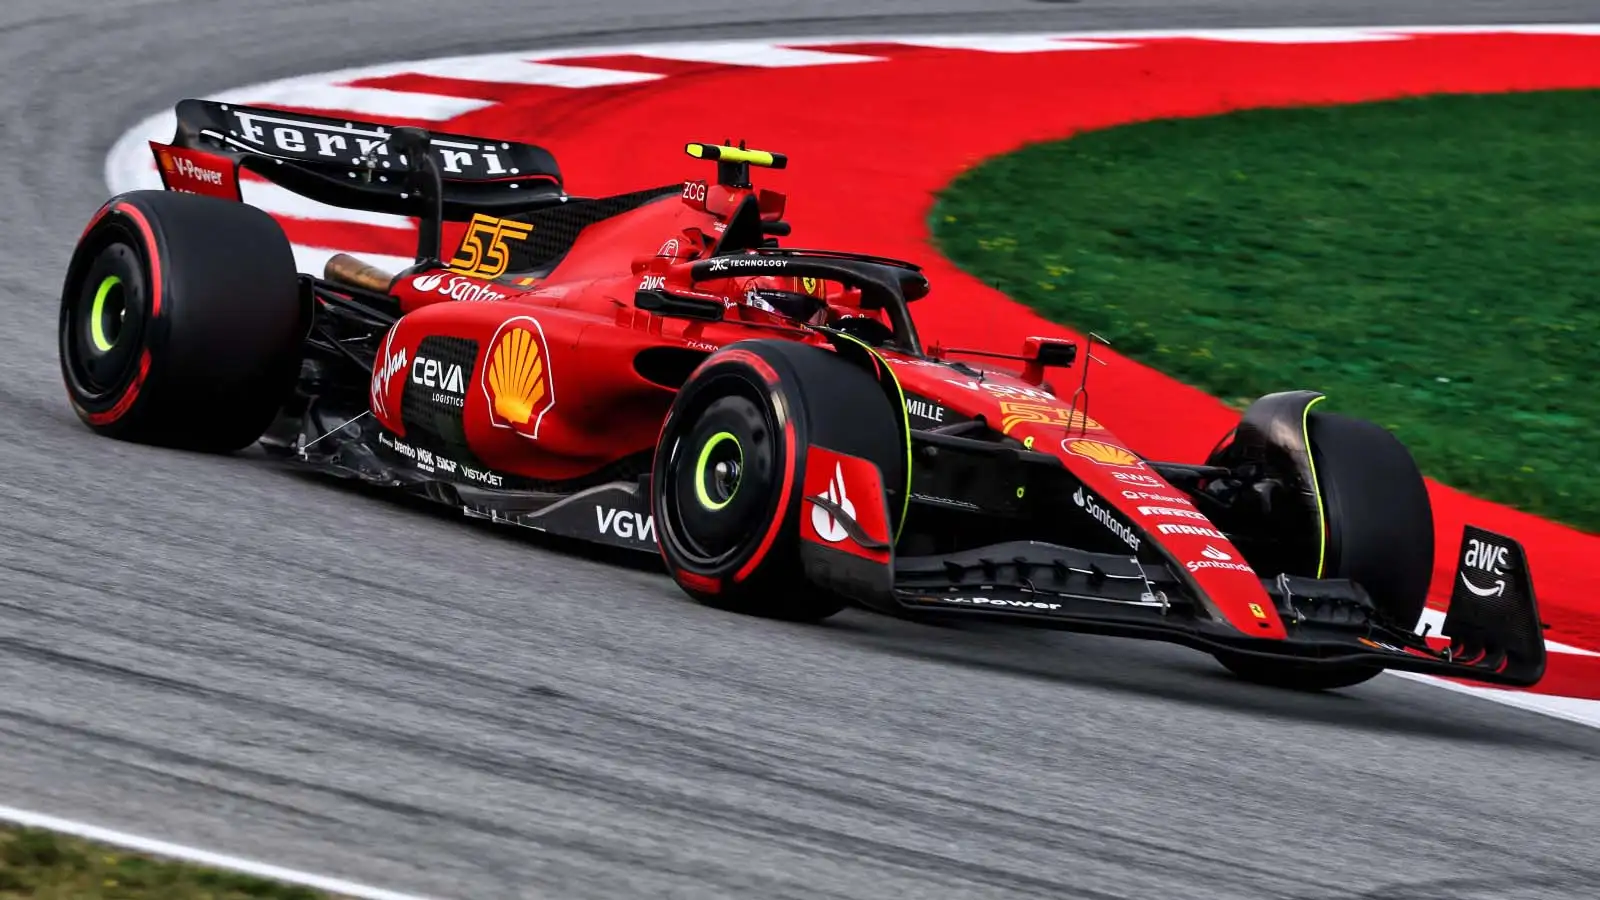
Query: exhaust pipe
[{"x": 346, "y": 269}]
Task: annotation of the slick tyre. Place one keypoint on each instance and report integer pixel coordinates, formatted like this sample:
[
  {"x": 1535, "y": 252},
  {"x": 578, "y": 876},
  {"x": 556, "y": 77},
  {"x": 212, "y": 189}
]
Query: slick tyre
[
  {"x": 181, "y": 321},
  {"x": 1379, "y": 534},
  {"x": 725, "y": 486}
]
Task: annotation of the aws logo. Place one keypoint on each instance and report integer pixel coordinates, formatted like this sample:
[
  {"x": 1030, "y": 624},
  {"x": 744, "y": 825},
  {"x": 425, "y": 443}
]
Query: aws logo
[{"x": 516, "y": 376}]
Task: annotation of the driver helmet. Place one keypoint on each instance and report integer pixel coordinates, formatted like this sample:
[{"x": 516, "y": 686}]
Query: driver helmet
[
  {"x": 802, "y": 300},
  {"x": 791, "y": 305},
  {"x": 810, "y": 301}
]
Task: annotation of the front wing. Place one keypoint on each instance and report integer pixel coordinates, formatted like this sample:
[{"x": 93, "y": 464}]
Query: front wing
[{"x": 1494, "y": 632}]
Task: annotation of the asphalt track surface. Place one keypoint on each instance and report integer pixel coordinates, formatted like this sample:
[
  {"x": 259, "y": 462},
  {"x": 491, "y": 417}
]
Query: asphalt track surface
[{"x": 207, "y": 651}]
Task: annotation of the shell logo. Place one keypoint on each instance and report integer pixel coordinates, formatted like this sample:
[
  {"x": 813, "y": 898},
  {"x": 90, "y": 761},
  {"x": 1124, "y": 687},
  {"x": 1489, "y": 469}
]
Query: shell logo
[
  {"x": 1103, "y": 453},
  {"x": 516, "y": 377},
  {"x": 166, "y": 160}
]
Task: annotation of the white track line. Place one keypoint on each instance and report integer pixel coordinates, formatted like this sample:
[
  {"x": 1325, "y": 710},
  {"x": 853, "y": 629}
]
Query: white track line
[
  {"x": 762, "y": 54},
  {"x": 1292, "y": 35},
  {"x": 196, "y": 855},
  {"x": 1577, "y": 29},
  {"x": 1571, "y": 709},
  {"x": 1321, "y": 35},
  {"x": 1006, "y": 43},
  {"x": 1239, "y": 35},
  {"x": 366, "y": 101},
  {"x": 510, "y": 69}
]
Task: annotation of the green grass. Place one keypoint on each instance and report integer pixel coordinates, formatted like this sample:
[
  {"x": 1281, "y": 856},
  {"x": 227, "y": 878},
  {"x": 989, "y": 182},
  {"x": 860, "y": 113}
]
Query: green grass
[
  {"x": 43, "y": 865},
  {"x": 1432, "y": 264}
]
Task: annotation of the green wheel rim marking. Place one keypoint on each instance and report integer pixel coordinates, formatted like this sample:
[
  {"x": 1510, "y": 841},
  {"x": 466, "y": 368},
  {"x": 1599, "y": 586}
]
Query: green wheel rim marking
[
  {"x": 97, "y": 328},
  {"x": 717, "y": 440}
]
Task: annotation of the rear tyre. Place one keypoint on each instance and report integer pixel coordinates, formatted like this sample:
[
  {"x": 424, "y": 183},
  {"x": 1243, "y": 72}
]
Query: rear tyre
[
  {"x": 725, "y": 488},
  {"x": 1379, "y": 535},
  {"x": 181, "y": 321}
]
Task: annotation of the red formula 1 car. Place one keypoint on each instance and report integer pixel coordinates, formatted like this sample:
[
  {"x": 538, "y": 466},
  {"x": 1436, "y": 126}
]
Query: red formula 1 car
[{"x": 653, "y": 371}]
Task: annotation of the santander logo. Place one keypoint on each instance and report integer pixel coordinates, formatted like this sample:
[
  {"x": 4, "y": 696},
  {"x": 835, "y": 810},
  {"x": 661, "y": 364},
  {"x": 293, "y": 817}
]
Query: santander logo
[
  {"x": 1105, "y": 517},
  {"x": 1216, "y": 559},
  {"x": 456, "y": 288},
  {"x": 828, "y": 528}
]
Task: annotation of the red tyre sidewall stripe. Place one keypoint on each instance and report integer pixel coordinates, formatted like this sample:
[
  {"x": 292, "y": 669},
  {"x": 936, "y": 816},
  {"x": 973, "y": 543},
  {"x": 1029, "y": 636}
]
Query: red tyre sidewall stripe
[
  {"x": 776, "y": 525},
  {"x": 769, "y": 374},
  {"x": 152, "y": 256},
  {"x": 100, "y": 214},
  {"x": 125, "y": 402}
]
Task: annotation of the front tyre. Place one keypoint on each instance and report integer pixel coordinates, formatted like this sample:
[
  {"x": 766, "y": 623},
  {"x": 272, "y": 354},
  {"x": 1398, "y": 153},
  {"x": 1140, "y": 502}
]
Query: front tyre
[
  {"x": 1378, "y": 533},
  {"x": 181, "y": 321},
  {"x": 726, "y": 486}
]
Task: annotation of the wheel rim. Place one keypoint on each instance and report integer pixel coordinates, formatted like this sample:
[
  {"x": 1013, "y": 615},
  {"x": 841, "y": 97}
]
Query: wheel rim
[
  {"x": 721, "y": 481},
  {"x": 106, "y": 314},
  {"x": 717, "y": 471},
  {"x": 103, "y": 334}
]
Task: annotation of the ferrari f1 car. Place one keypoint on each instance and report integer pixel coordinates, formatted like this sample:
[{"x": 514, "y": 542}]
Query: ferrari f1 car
[{"x": 655, "y": 371}]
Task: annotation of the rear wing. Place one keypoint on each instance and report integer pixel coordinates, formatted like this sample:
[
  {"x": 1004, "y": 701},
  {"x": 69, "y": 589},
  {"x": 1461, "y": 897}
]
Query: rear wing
[{"x": 404, "y": 171}]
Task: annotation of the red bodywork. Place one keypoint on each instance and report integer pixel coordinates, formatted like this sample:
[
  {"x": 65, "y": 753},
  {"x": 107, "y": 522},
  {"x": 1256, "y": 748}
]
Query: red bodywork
[{"x": 555, "y": 393}]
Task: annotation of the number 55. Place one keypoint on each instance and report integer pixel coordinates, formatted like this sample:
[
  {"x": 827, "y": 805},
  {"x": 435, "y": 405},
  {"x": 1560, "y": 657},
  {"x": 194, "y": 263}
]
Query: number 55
[{"x": 483, "y": 252}]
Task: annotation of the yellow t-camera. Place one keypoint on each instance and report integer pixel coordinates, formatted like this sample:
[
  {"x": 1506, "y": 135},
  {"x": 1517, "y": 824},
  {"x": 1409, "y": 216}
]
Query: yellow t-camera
[{"x": 737, "y": 155}]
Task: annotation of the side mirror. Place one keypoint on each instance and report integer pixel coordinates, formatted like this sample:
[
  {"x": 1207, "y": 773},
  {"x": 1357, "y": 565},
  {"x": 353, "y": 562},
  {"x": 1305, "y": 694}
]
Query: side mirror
[
  {"x": 662, "y": 303},
  {"x": 1045, "y": 352}
]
